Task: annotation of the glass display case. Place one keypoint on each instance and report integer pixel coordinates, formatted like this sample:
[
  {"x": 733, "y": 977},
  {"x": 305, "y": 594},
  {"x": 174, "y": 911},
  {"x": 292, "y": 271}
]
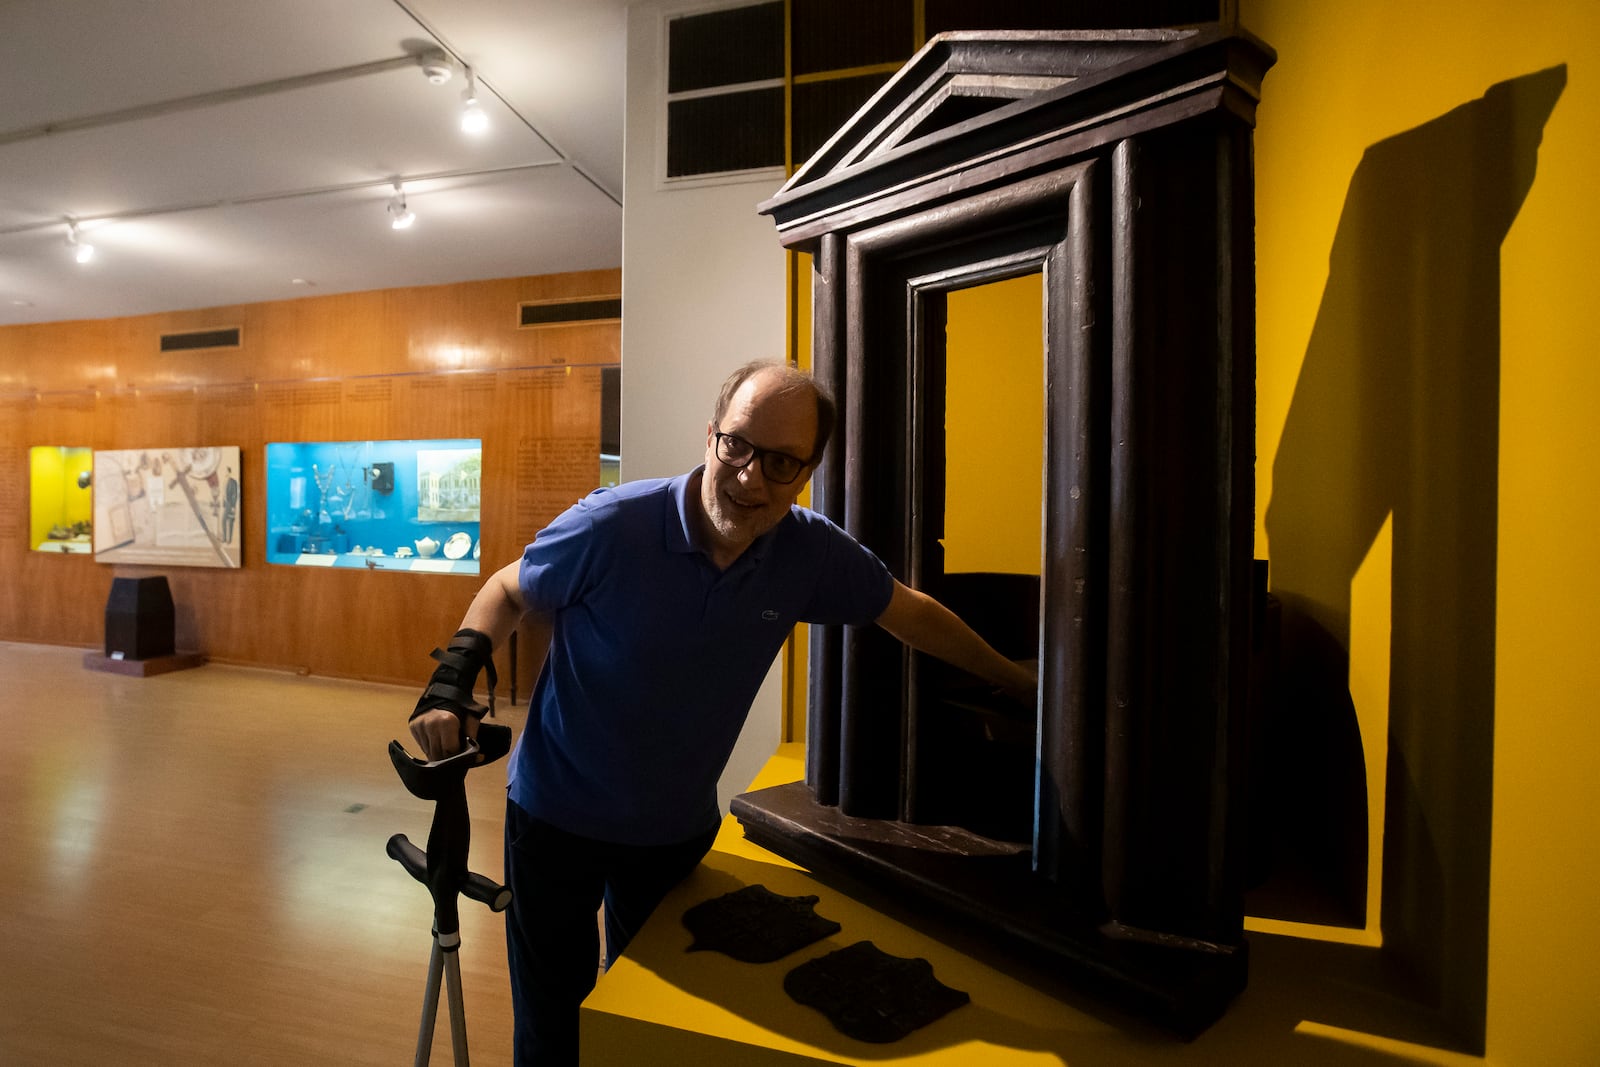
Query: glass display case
[
  {"x": 378, "y": 505},
  {"x": 60, "y": 502}
]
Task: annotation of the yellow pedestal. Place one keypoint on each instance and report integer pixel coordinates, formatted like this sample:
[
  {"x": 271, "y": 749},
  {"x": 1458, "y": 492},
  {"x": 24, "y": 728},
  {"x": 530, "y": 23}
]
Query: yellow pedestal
[
  {"x": 662, "y": 1004},
  {"x": 1309, "y": 1000}
]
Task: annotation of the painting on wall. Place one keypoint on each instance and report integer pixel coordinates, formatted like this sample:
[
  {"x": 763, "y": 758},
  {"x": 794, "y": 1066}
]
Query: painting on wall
[
  {"x": 170, "y": 506},
  {"x": 448, "y": 481}
]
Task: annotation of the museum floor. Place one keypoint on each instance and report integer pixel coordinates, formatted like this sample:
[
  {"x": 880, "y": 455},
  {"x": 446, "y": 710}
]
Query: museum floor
[{"x": 194, "y": 872}]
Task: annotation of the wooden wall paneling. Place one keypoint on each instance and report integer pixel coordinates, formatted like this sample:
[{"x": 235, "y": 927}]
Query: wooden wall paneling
[
  {"x": 534, "y": 499},
  {"x": 361, "y": 366},
  {"x": 167, "y": 418},
  {"x": 474, "y": 400},
  {"x": 109, "y": 418},
  {"x": 301, "y": 411},
  {"x": 14, "y": 431},
  {"x": 55, "y": 356},
  {"x": 429, "y": 408},
  {"x": 606, "y": 282},
  {"x": 471, "y": 325},
  {"x": 352, "y": 335},
  {"x": 129, "y": 348},
  {"x": 228, "y": 412},
  {"x": 60, "y": 418},
  {"x": 277, "y": 346},
  {"x": 544, "y": 456},
  {"x": 451, "y": 327},
  {"x": 578, "y": 343},
  {"x": 57, "y": 599},
  {"x": 557, "y": 458},
  {"x": 368, "y": 408}
]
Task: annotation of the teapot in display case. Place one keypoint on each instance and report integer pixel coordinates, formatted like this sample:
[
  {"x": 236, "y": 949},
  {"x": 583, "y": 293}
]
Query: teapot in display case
[{"x": 427, "y": 547}]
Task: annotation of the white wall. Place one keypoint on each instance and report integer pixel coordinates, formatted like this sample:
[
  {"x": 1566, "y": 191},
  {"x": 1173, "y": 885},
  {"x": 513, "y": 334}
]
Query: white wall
[{"x": 702, "y": 292}]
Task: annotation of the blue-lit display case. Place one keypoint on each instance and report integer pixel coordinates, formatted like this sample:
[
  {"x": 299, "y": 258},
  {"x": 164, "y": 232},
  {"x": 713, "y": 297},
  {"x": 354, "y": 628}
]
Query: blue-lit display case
[{"x": 377, "y": 505}]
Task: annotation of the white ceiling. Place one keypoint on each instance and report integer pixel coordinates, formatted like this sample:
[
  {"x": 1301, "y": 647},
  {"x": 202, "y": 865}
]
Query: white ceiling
[{"x": 272, "y": 195}]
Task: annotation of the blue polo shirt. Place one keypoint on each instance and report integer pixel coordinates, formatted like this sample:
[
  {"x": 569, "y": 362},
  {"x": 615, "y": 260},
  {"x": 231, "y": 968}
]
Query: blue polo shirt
[{"x": 657, "y": 655}]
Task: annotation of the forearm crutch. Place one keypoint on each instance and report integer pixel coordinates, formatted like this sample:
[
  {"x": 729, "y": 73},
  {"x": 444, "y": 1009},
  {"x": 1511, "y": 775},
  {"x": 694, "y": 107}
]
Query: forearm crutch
[{"x": 443, "y": 869}]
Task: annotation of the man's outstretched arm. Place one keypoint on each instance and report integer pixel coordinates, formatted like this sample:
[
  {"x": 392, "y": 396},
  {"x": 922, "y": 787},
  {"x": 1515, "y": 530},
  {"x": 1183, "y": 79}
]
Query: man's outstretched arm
[{"x": 928, "y": 626}]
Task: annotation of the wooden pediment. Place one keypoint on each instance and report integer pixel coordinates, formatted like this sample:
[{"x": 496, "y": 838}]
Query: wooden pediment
[{"x": 982, "y": 108}]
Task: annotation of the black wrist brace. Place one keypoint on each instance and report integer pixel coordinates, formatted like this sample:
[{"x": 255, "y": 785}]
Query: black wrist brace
[{"x": 453, "y": 680}]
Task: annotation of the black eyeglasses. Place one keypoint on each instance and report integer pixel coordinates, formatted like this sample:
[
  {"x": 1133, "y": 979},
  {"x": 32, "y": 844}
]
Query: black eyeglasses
[{"x": 777, "y": 467}]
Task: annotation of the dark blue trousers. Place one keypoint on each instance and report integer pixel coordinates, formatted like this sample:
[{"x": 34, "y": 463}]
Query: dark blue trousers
[{"x": 557, "y": 881}]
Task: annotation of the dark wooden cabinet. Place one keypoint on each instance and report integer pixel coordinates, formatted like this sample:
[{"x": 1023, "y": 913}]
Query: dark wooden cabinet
[{"x": 1116, "y": 164}]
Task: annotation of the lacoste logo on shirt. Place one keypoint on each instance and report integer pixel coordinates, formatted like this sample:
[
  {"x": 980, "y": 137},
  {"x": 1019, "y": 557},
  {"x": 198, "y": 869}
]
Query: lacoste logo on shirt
[{"x": 770, "y": 615}]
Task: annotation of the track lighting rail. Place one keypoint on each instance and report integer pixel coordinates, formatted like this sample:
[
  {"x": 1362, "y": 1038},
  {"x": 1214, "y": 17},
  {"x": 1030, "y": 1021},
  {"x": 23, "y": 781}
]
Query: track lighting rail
[
  {"x": 211, "y": 99},
  {"x": 287, "y": 194}
]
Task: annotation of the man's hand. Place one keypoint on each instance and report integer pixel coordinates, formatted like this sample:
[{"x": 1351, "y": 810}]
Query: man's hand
[
  {"x": 439, "y": 731},
  {"x": 450, "y": 692},
  {"x": 1023, "y": 685},
  {"x": 490, "y": 619}
]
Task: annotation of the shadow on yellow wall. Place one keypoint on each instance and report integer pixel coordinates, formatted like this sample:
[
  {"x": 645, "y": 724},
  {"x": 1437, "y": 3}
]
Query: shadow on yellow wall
[{"x": 1395, "y": 419}]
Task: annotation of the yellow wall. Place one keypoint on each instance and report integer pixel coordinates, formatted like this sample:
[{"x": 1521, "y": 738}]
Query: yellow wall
[
  {"x": 1351, "y": 77},
  {"x": 994, "y": 426},
  {"x": 995, "y": 382},
  {"x": 1495, "y": 428}
]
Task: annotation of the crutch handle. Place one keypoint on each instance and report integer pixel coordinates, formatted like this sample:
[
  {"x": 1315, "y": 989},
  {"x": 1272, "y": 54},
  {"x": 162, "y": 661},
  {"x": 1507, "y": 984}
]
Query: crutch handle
[
  {"x": 432, "y": 779},
  {"x": 486, "y": 891},
  {"x": 409, "y": 856},
  {"x": 480, "y": 888}
]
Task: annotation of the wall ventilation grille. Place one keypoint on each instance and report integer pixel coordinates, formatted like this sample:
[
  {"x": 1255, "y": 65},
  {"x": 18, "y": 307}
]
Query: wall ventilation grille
[
  {"x": 569, "y": 312},
  {"x": 725, "y": 99},
  {"x": 192, "y": 340}
]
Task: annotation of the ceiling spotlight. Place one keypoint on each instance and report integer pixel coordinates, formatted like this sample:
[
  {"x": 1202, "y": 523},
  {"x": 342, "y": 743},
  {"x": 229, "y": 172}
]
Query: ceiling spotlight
[
  {"x": 436, "y": 66},
  {"x": 82, "y": 251},
  {"x": 400, "y": 216},
  {"x": 473, "y": 118}
]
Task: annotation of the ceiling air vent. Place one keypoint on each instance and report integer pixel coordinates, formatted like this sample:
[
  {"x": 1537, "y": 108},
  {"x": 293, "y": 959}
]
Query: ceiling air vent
[
  {"x": 193, "y": 340},
  {"x": 569, "y": 312}
]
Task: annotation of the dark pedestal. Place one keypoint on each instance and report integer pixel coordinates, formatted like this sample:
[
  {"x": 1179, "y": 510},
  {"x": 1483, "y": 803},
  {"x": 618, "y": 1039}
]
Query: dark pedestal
[{"x": 139, "y": 619}]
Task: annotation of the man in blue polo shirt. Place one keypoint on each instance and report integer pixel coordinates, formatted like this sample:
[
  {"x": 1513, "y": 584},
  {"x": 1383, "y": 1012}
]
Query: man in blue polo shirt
[{"x": 665, "y": 602}]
